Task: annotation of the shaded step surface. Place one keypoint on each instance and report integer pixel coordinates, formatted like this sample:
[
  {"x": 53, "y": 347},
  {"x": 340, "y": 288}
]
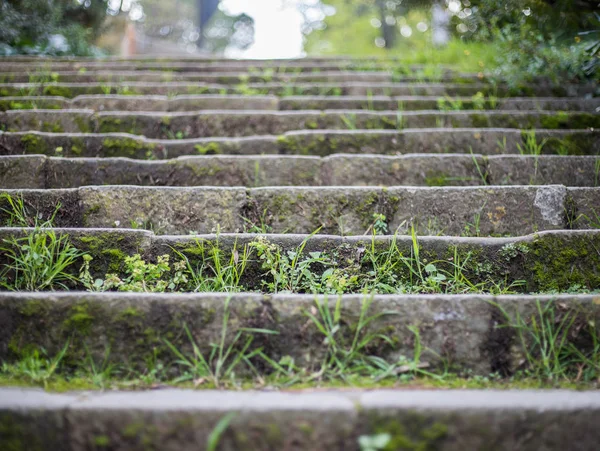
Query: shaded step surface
[
  {"x": 134, "y": 325},
  {"x": 306, "y": 142},
  {"x": 551, "y": 261},
  {"x": 38, "y": 172},
  {"x": 286, "y": 89},
  {"x": 225, "y": 123},
  {"x": 513, "y": 210},
  {"x": 176, "y": 420},
  {"x": 112, "y": 102}
]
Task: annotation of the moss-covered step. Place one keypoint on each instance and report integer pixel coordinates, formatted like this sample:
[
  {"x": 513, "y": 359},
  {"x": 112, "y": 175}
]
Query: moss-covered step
[
  {"x": 306, "y": 142},
  {"x": 245, "y": 123},
  {"x": 38, "y": 171},
  {"x": 288, "y": 89},
  {"x": 545, "y": 262},
  {"x": 114, "y": 102},
  {"x": 134, "y": 326},
  {"x": 54, "y": 121},
  {"x": 231, "y": 66},
  {"x": 405, "y": 103},
  {"x": 512, "y": 210},
  {"x": 225, "y": 123},
  {"x": 336, "y": 420}
]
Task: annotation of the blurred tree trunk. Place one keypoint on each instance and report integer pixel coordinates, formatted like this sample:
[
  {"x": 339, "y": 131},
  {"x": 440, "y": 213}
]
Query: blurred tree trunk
[{"x": 388, "y": 31}]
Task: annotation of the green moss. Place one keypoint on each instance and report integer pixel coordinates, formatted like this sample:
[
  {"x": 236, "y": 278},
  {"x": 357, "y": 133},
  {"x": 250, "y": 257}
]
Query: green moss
[
  {"x": 52, "y": 127},
  {"x": 83, "y": 124},
  {"x": 558, "y": 266},
  {"x": 102, "y": 441},
  {"x": 101, "y": 247},
  {"x": 80, "y": 320},
  {"x": 34, "y": 144},
  {"x": 480, "y": 120},
  {"x": 61, "y": 91},
  {"x": 34, "y": 307},
  {"x": 212, "y": 148},
  {"x": 555, "y": 121},
  {"x": 126, "y": 147},
  {"x": 433, "y": 178},
  {"x": 413, "y": 431},
  {"x": 110, "y": 125}
]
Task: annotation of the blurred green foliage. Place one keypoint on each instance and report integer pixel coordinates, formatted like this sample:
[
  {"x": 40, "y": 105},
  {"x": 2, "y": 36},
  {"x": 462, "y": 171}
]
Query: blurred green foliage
[{"x": 51, "y": 27}]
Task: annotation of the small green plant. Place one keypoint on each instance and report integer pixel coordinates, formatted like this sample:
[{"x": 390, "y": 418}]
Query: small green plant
[
  {"x": 531, "y": 146},
  {"x": 223, "y": 359},
  {"x": 39, "y": 261},
  {"x": 447, "y": 103},
  {"x": 140, "y": 276},
  {"x": 374, "y": 442},
  {"x": 378, "y": 226},
  {"x": 349, "y": 121},
  {"x": 215, "y": 435},
  {"x": 36, "y": 366},
  {"x": 483, "y": 176},
  {"x": 558, "y": 343},
  {"x": 215, "y": 271}
]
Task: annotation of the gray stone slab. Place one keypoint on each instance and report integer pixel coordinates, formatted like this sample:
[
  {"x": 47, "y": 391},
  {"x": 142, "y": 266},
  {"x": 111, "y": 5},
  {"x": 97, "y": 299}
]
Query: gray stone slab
[
  {"x": 26, "y": 171},
  {"x": 585, "y": 204},
  {"x": 449, "y": 420},
  {"x": 165, "y": 210},
  {"x": 534, "y": 170},
  {"x": 305, "y": 142},
  {"x": 56, "y": 121}
]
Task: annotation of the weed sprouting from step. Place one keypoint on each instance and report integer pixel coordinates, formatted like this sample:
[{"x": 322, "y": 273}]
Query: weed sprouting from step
[
  {"x": 483, "y": 176},
  {"x": 531, "y": 146},
  {"x": 223, "y": 359},
  {"x": 39, "y": 261},
  {"x": 447, "y": 103},
  {"x": 557, "y": 342},
  {"x": 214, "y": 271},
  {"x": 349, "y": 121},
  {"x": 215, "y": 435},
  {"x": 36, "y": 367}
]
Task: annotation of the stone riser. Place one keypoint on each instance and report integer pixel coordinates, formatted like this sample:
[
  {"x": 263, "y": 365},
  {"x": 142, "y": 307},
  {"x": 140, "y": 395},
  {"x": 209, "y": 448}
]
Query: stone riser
[
  {"x": 237, "y": 102},
  {"x": 134, "y": 325},
  {"x": 286, "y": 89},
  {"x": 176, "y": 420},
  {"x": 547, "y": 261},
  {"x": 222, "y": 123},
  {"x": 229, "y": 77},
  {"x": 38, "y": 172},
  {"x": 512, "y": 210},
  {"x": 305, "y": 142}
]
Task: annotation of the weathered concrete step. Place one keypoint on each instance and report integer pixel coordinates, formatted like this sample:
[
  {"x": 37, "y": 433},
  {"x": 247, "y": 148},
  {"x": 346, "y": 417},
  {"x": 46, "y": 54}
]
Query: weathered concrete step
[
  {"x": 552, "y": 261},
  {"x": 493, "y": 210},
  {"x": 39, "y": 171},
  {"x": 308, "y": 142},
  {"x": 113, "y": 102},
  {"x": 134, "y": 325},
  {"x": 229, "y": 123},
  {"x": 255, "y": 76},
  {"x": 178, "y": 420},
  {"x": 287, "y": 89},
  {"x": 296, "y": 66}
]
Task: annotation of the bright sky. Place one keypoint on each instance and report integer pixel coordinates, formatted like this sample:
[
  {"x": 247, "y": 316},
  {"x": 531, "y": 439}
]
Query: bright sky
[{"x": 278, "y": 26}]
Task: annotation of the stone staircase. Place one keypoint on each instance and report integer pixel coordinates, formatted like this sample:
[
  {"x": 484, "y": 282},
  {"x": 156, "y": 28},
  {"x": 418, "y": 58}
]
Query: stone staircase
[{"x": 300, "y": 226}]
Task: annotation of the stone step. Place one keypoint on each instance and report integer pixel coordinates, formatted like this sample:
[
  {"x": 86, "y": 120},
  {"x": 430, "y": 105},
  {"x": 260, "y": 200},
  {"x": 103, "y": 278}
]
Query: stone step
[
  {"x": 545, "y": 262},
  {"x": 229, "y": 123},
  {"x": 231, "y": 66},
  {"x": 286, "y": 89},
  {"x": 257, "y": 76},
  {"x": 484, "y": 141},
  {"x": 482, "y": 211},
  {"x": 39, "y": 171},
  {"x": 184, "y": 420},
  {"x": 134, "y": 325},
  {"x": 240, "y": 102}
]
